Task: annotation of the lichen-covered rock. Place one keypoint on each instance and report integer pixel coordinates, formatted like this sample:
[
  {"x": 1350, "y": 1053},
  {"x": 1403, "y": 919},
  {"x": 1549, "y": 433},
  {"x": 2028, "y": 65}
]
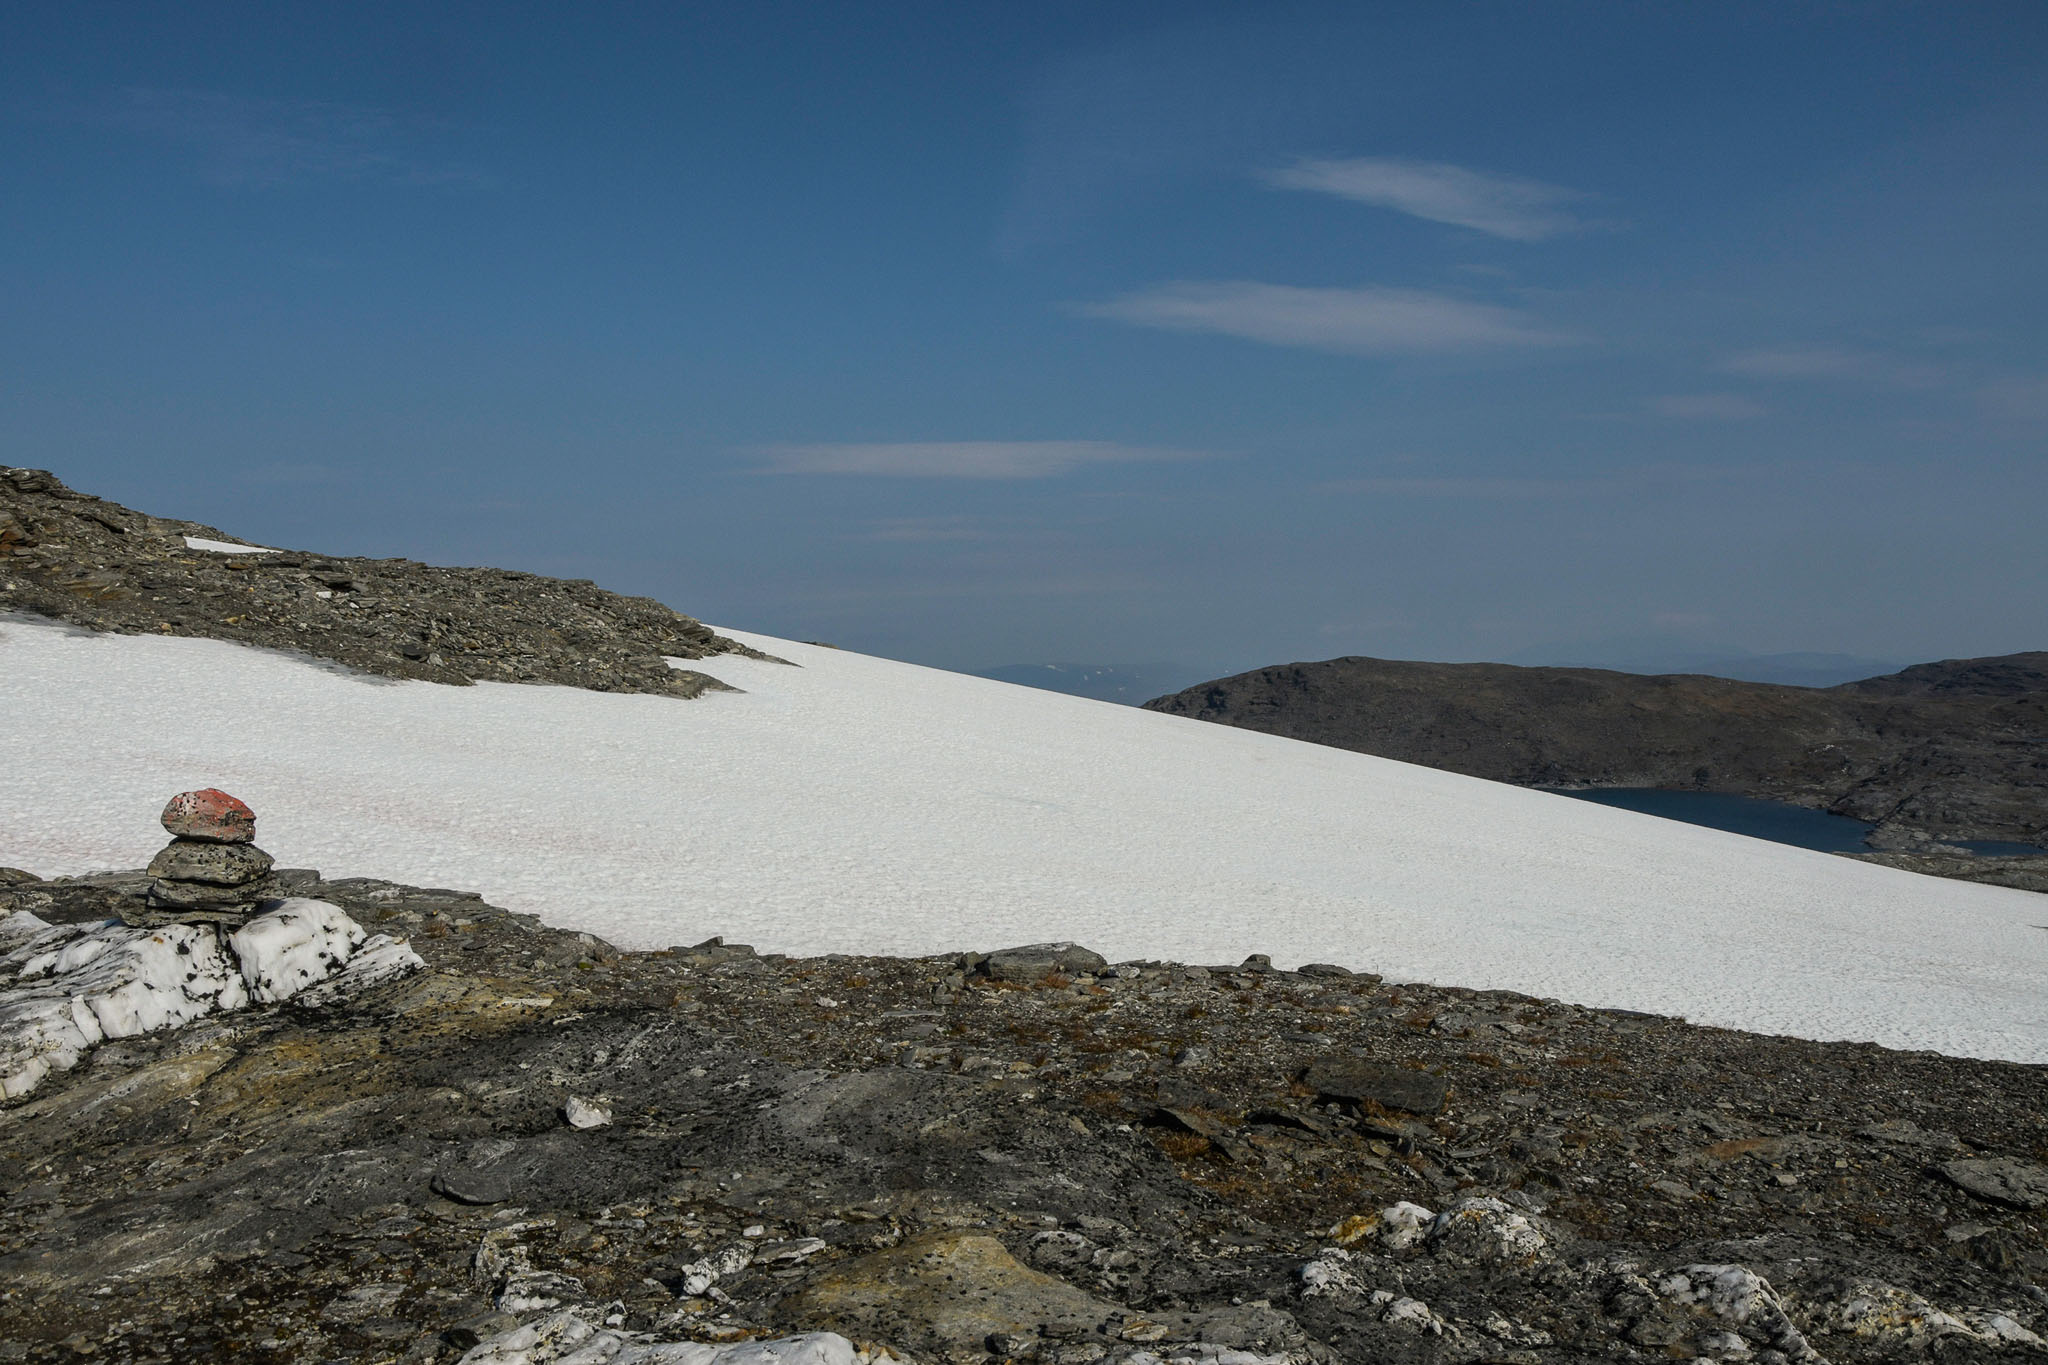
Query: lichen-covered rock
[
  {"x": 1739, "y": 1295},
  {"x": 1488, "y": 1230},
  {"x": 218, "y": 864},
  {"x": 209, "y": 815}
]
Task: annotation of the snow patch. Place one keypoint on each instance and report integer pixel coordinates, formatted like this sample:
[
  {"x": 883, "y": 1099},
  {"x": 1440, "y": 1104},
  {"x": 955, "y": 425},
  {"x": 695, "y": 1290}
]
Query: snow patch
[
  {"x": 226, "y": 547},
  {"x": 855, "y": 804}
]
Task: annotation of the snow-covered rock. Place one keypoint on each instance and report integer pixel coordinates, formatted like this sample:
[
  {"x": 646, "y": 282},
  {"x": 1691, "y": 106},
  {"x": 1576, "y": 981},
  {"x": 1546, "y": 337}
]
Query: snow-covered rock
[{"x": 66, "y": 988}]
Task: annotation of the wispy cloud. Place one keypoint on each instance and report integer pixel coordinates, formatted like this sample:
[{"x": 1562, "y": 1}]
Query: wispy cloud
[
  {"x": 1499, "y": 205},
  {"x": 960, "y": 459},
  {"x": 1835, "y": 363},
  {"x": 1708, "y": 407},
  {"x": 2016, "y": 399},
  {"x": 925, "y": 530},
  {"x": 1364, "y": 321},
  {"x": 1487, "y": 489},
  {"x": 241, "y": 140}
]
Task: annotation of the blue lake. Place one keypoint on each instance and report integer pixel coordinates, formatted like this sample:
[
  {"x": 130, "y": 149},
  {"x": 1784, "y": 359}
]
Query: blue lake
[{"x": 1773, "y": 820}]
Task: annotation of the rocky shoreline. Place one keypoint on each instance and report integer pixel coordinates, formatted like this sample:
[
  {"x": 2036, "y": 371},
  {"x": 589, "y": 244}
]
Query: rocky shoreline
[{"x": 1032, "y": 1156}]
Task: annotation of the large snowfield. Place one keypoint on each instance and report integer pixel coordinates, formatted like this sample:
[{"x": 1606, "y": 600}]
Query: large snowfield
[{"x": 855, "y": 804}]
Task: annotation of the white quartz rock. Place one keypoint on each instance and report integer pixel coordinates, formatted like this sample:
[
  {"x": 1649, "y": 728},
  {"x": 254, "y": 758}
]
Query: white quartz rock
[
  {"x": 565, "y": 1338},
  {"x": 76, "y": 985},
  {"x": 65, "y": 988},
  {"x": 381, "y": 958},
  {"x": 582, "y": 1113},
  {"x": 16, "y": 931},
  {"x": 292, "y": 945}
]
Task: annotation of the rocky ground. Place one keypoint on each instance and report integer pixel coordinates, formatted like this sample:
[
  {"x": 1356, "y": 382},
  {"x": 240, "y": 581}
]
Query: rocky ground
[
  {"x": 102, "y": 566},
  {"x": 1035, "y": 1156},
  {"x": 1951, "y": 750}
]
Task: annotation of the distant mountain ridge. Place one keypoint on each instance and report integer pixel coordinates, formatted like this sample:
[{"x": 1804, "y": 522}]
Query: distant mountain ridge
[{"x": 1956, "y": 749}]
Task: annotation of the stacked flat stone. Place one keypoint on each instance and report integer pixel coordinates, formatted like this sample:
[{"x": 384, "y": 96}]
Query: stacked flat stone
[{"x": 212, "y": 869}]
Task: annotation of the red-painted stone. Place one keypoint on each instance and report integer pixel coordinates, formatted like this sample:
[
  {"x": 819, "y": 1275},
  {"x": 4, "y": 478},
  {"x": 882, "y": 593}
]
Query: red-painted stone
[{"x": 210, "y": 815}]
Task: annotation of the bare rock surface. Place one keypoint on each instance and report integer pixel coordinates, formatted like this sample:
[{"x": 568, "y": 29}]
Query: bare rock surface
[
  {"x": 928, "y": 1161},
  {"x": 99, "y": 565}
]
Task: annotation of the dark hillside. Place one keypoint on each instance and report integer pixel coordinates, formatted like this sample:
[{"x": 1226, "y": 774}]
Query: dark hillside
[
  {"x": 1956, "y": 749},
  {"x": 103, "y": 566}
]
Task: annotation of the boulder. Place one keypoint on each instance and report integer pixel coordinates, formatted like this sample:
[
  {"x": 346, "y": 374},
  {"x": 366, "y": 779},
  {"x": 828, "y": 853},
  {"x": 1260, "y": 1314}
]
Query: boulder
[
  {"x": 1037, "y": 961},
  {"x": 211, "y": 816}
]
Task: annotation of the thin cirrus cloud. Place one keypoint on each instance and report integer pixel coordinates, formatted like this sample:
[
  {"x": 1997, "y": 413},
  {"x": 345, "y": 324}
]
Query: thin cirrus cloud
[
  {"x": 1506, "y": 206},
  {"x": 959, "y": 459},
  {"x": 1835, "y": 363},
  {"x": 1478, "y": 488},
  {"x": 241, "y": 140},
  {"x": 1362, "y": 321},
  {"x": 1707, "y": 407}
]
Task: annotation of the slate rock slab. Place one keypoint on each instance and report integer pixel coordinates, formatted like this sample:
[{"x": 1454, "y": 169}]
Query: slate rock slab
[
  {"x": 1037, "y": 961},
  {"x": 1390, "y": 1087},
  {"x": 2000, "y": 1179}
]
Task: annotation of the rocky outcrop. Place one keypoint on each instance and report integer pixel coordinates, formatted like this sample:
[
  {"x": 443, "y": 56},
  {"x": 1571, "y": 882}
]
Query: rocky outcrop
[
  {"x": 1956, "y": 749},
  {"x": 102, "y": 566},
  {"x": 850, "y": 1159}
]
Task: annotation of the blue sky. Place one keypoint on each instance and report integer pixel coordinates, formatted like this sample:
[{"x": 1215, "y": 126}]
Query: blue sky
[{"x": 976, "y": 334}]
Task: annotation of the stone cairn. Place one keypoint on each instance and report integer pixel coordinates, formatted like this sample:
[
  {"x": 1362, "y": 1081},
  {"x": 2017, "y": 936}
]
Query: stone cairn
[{"x": 212, "y": 870}]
